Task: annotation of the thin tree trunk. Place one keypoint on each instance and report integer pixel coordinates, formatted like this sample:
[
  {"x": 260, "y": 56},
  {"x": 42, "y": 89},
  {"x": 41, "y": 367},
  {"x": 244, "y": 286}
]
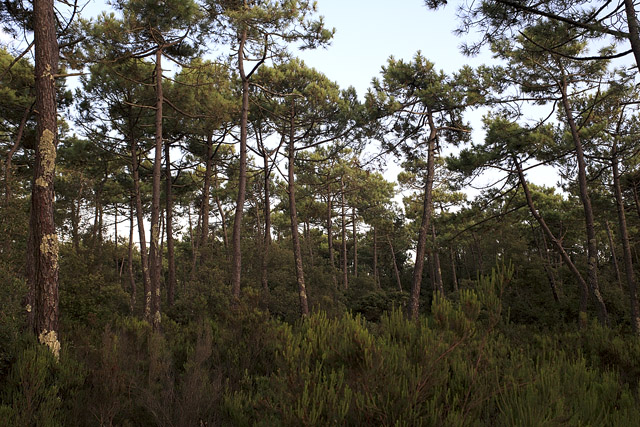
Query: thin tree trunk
[
  {"x": 332, "y": 260},
  {"x": 592, "y": 250},
  {"x": 454, "y": 275},
  {"x": 132, "y": 279},
  {"x": 204, "y": 230},
  {"x": 144, "y": 259},
  {"x": 155, "y": 254},
  {"x": 395, "y": 264},
  {"x": 345, "y": 278},
  {"x": 8, "y": 174},
  {"x": 614, "y": 259},
  {"x": 634, "y": 31},
  {"x": 584, "y": 290},
  {"x": 436, "y": 262},
  {"x": 42, "y": 259},
  {"x": 414, "y": 301},
  {"x": 626, "y": 247},
  {"x": 295, "y": 238},
  {"x": 267, "y": 227},
  {"x": 171, "y": 260},
  {"x": 376, "y": 276},
  {"x": 355, "y": 242},
  {"x": 546, "y": 262},
  {"x": 236, "y": 239}
]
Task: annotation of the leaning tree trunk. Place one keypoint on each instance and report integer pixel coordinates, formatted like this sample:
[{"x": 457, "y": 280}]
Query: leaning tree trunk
[
  {"x": 295, "y": 237},
  {"x": 592, "y": 250},
  {"x": 626, "y": 247},
  {"x": 154, "y": 247},
  {"x": 584, "y": 290},
  {"x": 414, "y": 302},
  {"x": 42, "y": 259},
  {"x": 395, "y": 264}
]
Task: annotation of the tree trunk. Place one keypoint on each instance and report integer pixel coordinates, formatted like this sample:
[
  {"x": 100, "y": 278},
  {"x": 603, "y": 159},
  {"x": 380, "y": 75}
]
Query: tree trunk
[
  {"x": 584, "y": 290},
  {"x": 155, "y": 254},
  {"x": 436, "y": 262},
  {"x": 171, "y": 260},
  {"x": 132, "y": 278},
  {"x": 355, "y": 242},
  {"x": 395, "y": 264},
  {"x": 614, "y": 259},
  {"x": 144, "y": 260},
  {"x": 295, "y": 238},
  {"x": 204, "y": 230},
  {"x": 236, "y": 239},
  {"x": 8, "y": 175},
  {"x": 546, "y": 263},
  {"x": 376, "y": 276},
  {"x": 267, "y": 226},
  {"x": 414, "y": 302},
  {"x": 42, "y": 259},
  {"x": 332, "y": 260},
  {"x": 345, "y": 278},
  {"x": 634, "y": 31},
  {"x": 592, "y": 250},
  {"x": 454, "y": 275},
  {"x": 626, "y": 247}
]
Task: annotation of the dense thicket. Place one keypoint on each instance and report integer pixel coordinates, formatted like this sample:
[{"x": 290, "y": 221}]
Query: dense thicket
[{"x": 226, "y": 251}]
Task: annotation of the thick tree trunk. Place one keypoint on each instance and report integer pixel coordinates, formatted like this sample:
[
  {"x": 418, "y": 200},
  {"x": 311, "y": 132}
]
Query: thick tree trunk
[
  {"x": 626, "y": 247},
  {"x": 295, "y": 238},
  {"x": 634, "y": 31},
  {"x": 155, "y": 254},
  {"x": 42, "y": 258},
  {"x": 414, "y": 301},
  {"x": 592, "y": 250},
  {"x": 584, "y": 290},
  {"x": 171, "y": 260},
  {"x": 236, "y": 239}
]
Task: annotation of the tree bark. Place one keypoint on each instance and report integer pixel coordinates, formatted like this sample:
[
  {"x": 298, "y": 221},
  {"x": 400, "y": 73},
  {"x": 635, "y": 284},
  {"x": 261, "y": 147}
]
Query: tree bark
[
  {"x": 144, "y": 260},
  {"x": 414, "y": 302},
  {"x": 42, "y": 259},
  {"x": 626, "y": 247},
  {"x": 592, "y": 250},
  {"x": 171, "y": 260},
  {"x": 376, "y": 277},
  {"x": 395, "y": 264},
  {"x": 614, "y": 259},
  {"x": 355, "y": 242},
  {"x": 132, "y": 278},
  {"x": 204, "y": 230},
  {"x": 236, "y": 239},
  {"x": 634, "y": 31},
  {"x": 584, "y": 290},
  {"x": 332, "y": 260},
  {"x": 345, "y": 277},
  {"x": 295, "y": 238},
  {"x": 436, "y": 263},
  {"x": 454, "y": 274},
  {"x": 154, "y": 246},
  {"x": 267, "y": 226}
]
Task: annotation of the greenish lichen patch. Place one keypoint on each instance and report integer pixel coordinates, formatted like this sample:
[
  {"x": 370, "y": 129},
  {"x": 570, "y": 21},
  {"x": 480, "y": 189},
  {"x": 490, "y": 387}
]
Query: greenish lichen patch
[
  {"x": 47, "y": 150},
  {"x": 50, "y": 339},
  {"x": 49, "y": 247}
]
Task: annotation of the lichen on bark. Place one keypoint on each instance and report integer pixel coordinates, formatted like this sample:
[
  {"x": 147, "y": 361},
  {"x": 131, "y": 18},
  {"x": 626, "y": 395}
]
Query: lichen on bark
[
  {"x": 47, "y": 157},
  {"x": 50, "y": 339},
  {"x": 49, "y": 247}
]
